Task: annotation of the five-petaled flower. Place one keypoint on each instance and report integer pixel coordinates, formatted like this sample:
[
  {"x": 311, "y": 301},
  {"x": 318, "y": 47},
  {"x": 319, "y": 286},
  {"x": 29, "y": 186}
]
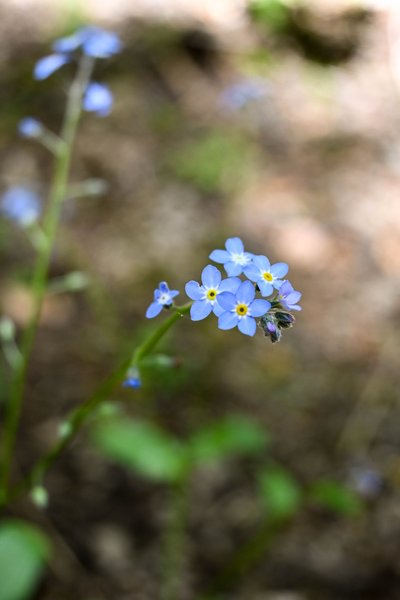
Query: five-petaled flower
[
  {"x": 265, "y": 275},
  {"x": 234, "y": 258},
  {"x": 241, "y": 308},
  {"x": 163, "y": 296},
  {"x": 205, "y": 296},
  {"x": 288, "y": 297},
  {"x": 98, "y": 99}
]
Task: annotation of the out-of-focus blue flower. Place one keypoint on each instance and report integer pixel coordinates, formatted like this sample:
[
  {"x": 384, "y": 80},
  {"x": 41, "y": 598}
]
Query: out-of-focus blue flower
[
  {"x": 132, "y": 382},
  {"x": 288, "y": 297},
  {"x": 163, "y": 296},
  {"x": 265, "y": 275},
  {"x": 21, "y": 204},
  {"x": 205, "y": 296},
  {"x": 30, "y": 127},
  {"x": 98, "y": 98},
  {"x": 234, "y": 258},
  {"x": 48, "y": 65},
  {"x": 94, "y": 41},
  {"x": 241, "y": 308},
  {"x": 243, "y": 92}
]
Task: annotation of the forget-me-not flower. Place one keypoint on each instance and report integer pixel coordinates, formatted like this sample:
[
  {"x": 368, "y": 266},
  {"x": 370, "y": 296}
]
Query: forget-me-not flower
[
  {"x": 47, "y": 65},
  {"x": 94, "y": 41},
  {"x": 30, "y": 128},
  {"x": 288, "y": 297},
  {"x": 265, "y": 275},
  {"x": 21, "y": 204},
  {"x": 98, "y": 98},
  {"x": 205, "y": 296},
  {"x": 163, "y": 296},
  {"x": 234, "y": 258},
  {"x": 241, "y": 308}
]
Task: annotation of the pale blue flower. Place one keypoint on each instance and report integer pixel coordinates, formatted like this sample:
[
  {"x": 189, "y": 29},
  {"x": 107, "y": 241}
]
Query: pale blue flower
[
  {"x": 21, "y": 205},
  {"x": 241, "y": 93},
  {"x": 94, "y": 41},
  {"x": 241, "y": 308},
  {"x": 163, "y": 296},
  {"x": 205, "y": 296},
  {"x": 98, "y": 99},
  {"x": 234, "y": 258},
  {"x": 48, "y": 65},
  {"x": 266, "y": 276},
  {"x": 288, "y": 297},
  {"x": 30, "y": 128}
]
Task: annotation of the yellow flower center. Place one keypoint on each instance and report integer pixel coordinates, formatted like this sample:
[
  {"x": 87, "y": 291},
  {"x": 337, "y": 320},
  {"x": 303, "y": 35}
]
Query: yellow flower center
[
  {"x": 241, "y": 310},
  {"x": 211, "y": 294},
  {"x": 267, "y": 276}
]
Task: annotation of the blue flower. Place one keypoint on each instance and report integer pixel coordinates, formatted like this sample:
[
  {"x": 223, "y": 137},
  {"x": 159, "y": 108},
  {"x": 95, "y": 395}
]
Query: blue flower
[
  {"x": 21, "y": 204},
  {"x": 132, "y": 382},
  {"x": 234, "y": 258},
  {"x": 94, "y": 41},
  {"x": 162, "y": 297},
  {"x": 48, "y": 65},
  {"x": 288, "y": 297},
  {"x": 266, "y": 276},
  {"x": 205, "y": 296},
  {"x": 98, "y": 98},
  {"x": 30, "y": 128},
  {"x": 241, "y": 308},
  {"x": 243, "y": 92}
]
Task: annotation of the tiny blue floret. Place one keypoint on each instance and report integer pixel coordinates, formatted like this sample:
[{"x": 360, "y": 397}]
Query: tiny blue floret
[
  {"x": 266, "y": 276},
  {"x": 288, "y": 297},
  {"x": 205, "y": 296},
  {"x": 98, "y": 99},
  {"x": 241, "y": 93},
  {"x": 241, "y": 308},
  {"x": 163, "y": 296},
  {"x": 132, "y": 382},
  {"x": 48, "y": 65},
  {"x": 234, "y": 258},
  {"x": 21, "y": 205},
  {"x": 30, "y": 128},
  {"x": 94, "y": 41}
]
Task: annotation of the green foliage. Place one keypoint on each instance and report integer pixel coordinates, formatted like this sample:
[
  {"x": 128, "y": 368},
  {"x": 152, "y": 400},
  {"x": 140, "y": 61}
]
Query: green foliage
[
  {"x": 233, "y": 435},
  {"x": 273, "y": 13},
  {"x": 280, "y": 493},
  {"x": 336, "y": 497},
  {"x": 213, "y": 163},
  {"x": 23, "y": 553},
  {"x": 143, "y": 447}
]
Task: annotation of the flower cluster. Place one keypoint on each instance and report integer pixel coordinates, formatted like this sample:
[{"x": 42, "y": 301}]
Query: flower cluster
[{"x": 234, "y": 301}]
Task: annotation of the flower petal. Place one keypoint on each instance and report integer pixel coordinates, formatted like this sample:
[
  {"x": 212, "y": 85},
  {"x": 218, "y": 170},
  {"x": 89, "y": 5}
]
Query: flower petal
[
  {"x": 228, "y": 320},
  {"x": 200, "y": 310},
  {"x": 234, "y": 245},
  {"x": 217, "y": 309},
  {"x": 194, "y": 290},
  {"x": 233, "y": 269},
  {"x": 293, "y": 297},
  {"x": 266, "y": 288},
  {"x": 98, "y": 98},
  {"x": 231, "y": 284},
  {"x": 252, "y": 272},
  {"x": 219, "y": 256},
  {"x": 174, "y": 293},
  {"x": 227, "y": 300},
  {"x": 258, "y": 307},
  {"x": 211, "y": 277},
  {"x": 47, "y": 65},
  {"x": 262, "y": 262},
  {"x": 247, "y": 325},
  {"x": 246, "y": 292},
  {"x": 154, "y": 309},
  {"x": 279, "y": 270}
]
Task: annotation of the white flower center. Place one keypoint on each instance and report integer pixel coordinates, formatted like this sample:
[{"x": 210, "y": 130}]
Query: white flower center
[
  {"x": 164, "y": 299},
  {"x": 239, "y": 258}
]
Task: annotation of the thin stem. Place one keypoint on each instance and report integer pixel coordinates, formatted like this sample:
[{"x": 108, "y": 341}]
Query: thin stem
[{"x": 51, "y": 220}]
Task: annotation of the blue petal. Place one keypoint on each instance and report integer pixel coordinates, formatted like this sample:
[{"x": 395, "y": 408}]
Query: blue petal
[
  {"x": 132, "y": 382},
  {"x": 293, "y": 297},
  {"x": 262, "y": 262},
  {"x": 228, "y": 320},
  {"x": 194, "y": 290},
  {"x": 296, "y": 307},
  {"x": 174, "y": 293},
  {"x": 30, "y": 127},
  {"x": 245, "y": 293},
  {"x": 163, "y": 287},
  {"x": 285, "y": 288},
  {"x": 252, "y": 272},
  {"x": 101, "y": 44},
  {"x": 266, "y": 288},
  {"x": 47, "y": 65},
  {"x": 233, "y": 269},
  {"x": 279, "y": 270},
  {"x": 247, "y": 325},
  {"x": 71, "y": 42},
  {"x": 230, "y": 285},
  {"x": 227, "y": 300},
  {"x": 217, "y": 309},
  {"x": 200, "y": 310},
  {"x": 220, "y": 256},
  {"x": 234, "y": 245},
  {"x": 277, "y": 283},
  {"x": 154, "y": 309},
  {"x": 98, "y": 98},
  {"x": 211, "y": 277},
  {"x": 258, "y": 308}
]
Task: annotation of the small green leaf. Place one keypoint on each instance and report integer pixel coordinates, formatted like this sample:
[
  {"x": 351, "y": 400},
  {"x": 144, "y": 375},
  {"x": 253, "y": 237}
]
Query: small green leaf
[
  {"x": 336, "y": 497},
  {"x": 75, "y": 281},
  {"x": 233, "y": 435},
  {"x": 23, "y": 553},
  {"x": 280, "y": 493},
  {"x": 142, "y": 447}
]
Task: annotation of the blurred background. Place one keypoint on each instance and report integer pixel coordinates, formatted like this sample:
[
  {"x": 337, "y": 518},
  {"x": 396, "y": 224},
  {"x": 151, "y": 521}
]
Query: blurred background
[{"x": 275, "y": 121}]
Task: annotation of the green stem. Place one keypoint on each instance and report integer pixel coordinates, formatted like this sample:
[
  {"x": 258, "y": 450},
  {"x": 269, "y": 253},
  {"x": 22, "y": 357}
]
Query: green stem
[
  {"x": 51, "y": 220},
  {"x": 80, "y": 415}
]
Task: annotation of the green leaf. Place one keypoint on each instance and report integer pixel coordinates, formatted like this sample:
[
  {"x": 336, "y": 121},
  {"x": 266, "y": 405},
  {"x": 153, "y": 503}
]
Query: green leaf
[
  {"x": 280, "y": 493},
  {"x": 143, "y": 447},
  {"x": 233, "y": 435},
  {"x": 273, "y": 13},
  {"x": 336, "y": 497},
  {"x": 23, "y": 553}
]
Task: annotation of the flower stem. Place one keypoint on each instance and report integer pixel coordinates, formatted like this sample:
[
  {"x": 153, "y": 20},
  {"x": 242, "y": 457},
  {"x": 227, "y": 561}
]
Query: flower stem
[{"x": 41, "y": 268}]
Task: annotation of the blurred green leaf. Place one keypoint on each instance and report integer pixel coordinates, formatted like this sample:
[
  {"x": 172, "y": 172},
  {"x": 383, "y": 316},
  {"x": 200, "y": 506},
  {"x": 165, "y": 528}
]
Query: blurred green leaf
[
  {"x": 280, "y": 493},
  {"x": 233, "y": 435},
  {"x": 336, "y": 497},
  {"x": 23, "y": 553},
  {"x": 75, "y": 281},
  {"x": 143, "y": 447},
  {"x": 270, "y": 12}
]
